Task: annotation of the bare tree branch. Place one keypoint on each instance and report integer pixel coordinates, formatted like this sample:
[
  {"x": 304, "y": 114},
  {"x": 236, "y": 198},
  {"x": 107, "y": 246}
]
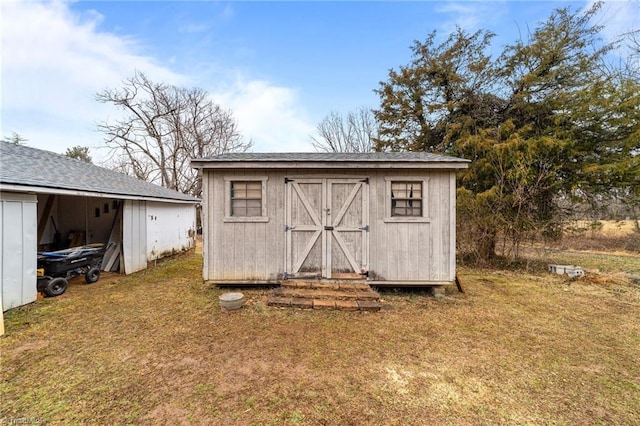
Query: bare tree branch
[
  {"x": 351, "y": 133},
  {"x": 164, "y": 128}
]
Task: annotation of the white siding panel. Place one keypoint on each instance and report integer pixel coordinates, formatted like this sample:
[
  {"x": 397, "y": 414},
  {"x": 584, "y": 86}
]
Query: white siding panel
[
  {"x": 170, "y": 228},
  {"x": 18, "y": 260},
  {"x": 134, "y": 236}
]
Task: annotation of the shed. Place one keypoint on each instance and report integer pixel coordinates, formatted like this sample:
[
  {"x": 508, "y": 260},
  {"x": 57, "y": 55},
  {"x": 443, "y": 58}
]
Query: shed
[
  {"x": 388, "y": 218},
  {"x": 50, "y": 201}
]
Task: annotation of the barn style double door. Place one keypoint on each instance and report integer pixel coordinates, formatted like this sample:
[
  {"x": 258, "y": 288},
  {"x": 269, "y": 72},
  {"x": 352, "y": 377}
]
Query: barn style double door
[{"x": 327, "y": 225}]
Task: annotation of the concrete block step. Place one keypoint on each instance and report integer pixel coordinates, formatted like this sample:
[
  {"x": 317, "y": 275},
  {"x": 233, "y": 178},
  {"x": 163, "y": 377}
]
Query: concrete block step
[
  {"x": 320, "y": 293},
  {"x": 346, "y": 285},
  {"x": 331, "y": 304}
]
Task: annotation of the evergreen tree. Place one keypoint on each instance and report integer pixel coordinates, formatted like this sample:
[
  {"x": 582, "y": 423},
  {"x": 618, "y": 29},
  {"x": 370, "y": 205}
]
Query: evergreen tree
[
  {"x": 79, "y": 153},
  {"x": 546, "y": 120}
]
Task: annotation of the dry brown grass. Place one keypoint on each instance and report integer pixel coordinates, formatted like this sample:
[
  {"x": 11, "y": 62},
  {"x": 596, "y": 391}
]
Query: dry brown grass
[
  {"x": 603, "y": 235},
  {"x": 155, "y": 348},
  {"x": 610, "y": 228}
]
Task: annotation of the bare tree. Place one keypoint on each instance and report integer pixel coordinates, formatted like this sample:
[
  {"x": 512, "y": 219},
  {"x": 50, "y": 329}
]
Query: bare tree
[
  {"x": 164, "y": 128},
  {"x": 353, "y": 132}
]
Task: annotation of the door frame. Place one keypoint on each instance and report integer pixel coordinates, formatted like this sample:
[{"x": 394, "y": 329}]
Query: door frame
[{"x": 324, "y": 227}]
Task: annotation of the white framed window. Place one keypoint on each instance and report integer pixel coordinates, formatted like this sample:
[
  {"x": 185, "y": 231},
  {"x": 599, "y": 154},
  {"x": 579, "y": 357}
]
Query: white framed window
[
  {"x": 406, "y": 199},
  {"x": 245, "y": 199}
]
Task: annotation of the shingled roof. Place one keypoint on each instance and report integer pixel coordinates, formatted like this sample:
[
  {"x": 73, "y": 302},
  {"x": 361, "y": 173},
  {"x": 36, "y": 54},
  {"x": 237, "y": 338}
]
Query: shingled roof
[
  {"x": 334, "y": 159},
  {"x": 23, "y": 166}
]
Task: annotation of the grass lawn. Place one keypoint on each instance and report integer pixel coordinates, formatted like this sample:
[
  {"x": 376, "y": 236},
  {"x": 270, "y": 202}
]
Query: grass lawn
[{"x": 155, "y": 348}]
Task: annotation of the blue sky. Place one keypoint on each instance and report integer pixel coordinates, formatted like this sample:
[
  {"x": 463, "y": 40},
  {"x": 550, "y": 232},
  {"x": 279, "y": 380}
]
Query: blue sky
[{"x": 280, "y": 66}]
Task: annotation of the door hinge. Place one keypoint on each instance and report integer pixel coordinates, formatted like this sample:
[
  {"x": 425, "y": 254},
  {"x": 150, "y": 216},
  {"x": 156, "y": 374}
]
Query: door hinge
[
  {"x": 365, "y": 228},
  {"x": 289, "y": 228},
  {"x": 365, "y": 180},
  {"x": 287, "y": 180}
]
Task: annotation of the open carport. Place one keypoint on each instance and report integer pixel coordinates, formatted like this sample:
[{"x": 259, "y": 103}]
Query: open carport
[{"x": 49, "y": 201}]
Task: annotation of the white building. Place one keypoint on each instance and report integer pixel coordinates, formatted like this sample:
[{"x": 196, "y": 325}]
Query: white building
[{"x": 50, "y": 201}]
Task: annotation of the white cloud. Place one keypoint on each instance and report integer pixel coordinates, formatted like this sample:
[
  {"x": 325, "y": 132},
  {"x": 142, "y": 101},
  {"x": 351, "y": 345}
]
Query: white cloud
[
  {"x": 470, "y": 15},
  {"x": 54, "y": 61},
  {"x": 268, "y": 114}
]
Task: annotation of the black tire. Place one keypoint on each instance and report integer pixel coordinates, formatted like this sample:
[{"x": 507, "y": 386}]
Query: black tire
[
  {"x": 92, "y": 275},
  {"x": 56, "y": 287}
]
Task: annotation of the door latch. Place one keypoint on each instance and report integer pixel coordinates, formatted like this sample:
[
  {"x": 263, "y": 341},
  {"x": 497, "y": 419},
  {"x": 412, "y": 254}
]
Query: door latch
[{"x": 328, "y": 228}]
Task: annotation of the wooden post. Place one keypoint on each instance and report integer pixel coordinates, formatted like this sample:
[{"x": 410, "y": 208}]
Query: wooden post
[{"x": 42, "y": 224}]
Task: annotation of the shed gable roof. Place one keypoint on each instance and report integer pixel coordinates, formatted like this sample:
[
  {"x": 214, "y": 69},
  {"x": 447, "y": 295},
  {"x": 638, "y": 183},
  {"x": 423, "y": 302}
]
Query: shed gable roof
[
  {"x": 333, "y": 160},
  {"x": 30, "y": 167}
]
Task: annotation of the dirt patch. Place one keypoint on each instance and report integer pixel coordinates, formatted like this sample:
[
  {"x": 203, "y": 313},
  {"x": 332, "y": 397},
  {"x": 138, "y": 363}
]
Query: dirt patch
[{"x": 29, "y": 346}]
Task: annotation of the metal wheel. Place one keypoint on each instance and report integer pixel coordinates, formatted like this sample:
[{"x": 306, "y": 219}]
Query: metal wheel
[
  {"x": 56, "y": 287},
  {"x": 92, "y": 275}
]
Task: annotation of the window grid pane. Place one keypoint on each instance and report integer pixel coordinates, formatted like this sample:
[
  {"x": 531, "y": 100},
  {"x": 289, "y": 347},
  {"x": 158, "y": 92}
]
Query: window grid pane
[
  {"x": 406, "y": 199},
  {"x": 246, "y": 199}
]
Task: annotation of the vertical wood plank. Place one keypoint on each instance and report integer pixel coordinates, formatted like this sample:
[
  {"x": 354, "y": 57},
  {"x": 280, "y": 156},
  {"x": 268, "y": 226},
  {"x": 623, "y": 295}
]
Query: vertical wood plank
[
  {"x": 326, "y": 243},
  {"x": 289, "y": 240},
  {"x": 205, "y": 224},
  {"x": 452, "y": 226},
  {"x": 365, "y": 222}
]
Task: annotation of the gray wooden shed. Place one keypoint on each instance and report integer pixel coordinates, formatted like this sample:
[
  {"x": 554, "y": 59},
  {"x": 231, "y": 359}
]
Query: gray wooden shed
[{"x": 388, "y": 218}]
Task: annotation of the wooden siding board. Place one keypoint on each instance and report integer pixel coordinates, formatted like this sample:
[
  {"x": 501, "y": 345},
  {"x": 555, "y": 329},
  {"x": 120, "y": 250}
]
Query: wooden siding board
[
  {"x": 406, "y": 252},
  {"x": 443, "y": 227},
  {"x": 437, "y": 231},
  {"x": 414, "y": 256},
  {"x": 204, "y": 218},
  {"x": 259, "y": 269},
  {"x": 365, "y": 233},
  {"x": 238, "y": 249},
  {"x": 377, "y": 262},
  {"x": 227, "y": 268},
  {"x": 446, "y": 228},
  {"x": 425, "y": 253},
  {"x": 289, "y": 238},
  {"x": 276, "y": 235},
  {"x": 452, "y": 226},
  {"x": 215, "y": 221}
]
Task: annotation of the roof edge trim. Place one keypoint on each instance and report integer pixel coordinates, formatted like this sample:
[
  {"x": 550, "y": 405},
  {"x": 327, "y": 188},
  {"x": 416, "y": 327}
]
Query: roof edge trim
[
  {"x": 247, "y": 164},
  {"x": 59, "y": 191}
]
